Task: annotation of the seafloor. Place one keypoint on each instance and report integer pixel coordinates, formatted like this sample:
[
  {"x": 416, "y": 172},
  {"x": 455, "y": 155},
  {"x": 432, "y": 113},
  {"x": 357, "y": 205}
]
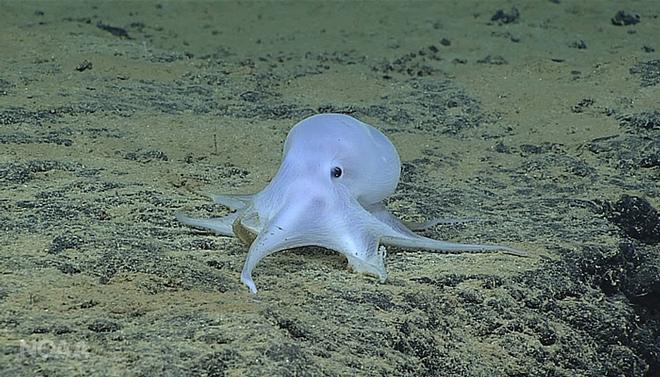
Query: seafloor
[{"x": 541, "y": 119}]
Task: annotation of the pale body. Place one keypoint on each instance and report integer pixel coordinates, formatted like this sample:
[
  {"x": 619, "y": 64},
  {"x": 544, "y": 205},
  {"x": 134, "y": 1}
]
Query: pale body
[{"x": 310, "y": 202}]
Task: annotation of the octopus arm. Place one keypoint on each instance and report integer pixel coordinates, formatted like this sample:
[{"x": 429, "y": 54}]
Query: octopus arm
[
  {"x": 429, "y": 244},
  {"x": 218, "y": 225},
  {"x": 233, "y": 202},
  {"x": 399, "y": 235}
]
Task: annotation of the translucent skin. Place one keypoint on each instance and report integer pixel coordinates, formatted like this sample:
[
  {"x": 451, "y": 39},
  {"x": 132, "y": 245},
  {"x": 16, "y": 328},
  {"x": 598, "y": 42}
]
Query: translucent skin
[
  {"x": 329, "y": 191},
  {"x": 369, "y": 162}
]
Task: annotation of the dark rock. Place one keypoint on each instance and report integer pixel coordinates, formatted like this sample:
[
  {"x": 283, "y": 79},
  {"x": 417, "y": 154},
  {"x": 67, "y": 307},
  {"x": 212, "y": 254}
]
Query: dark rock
[
  {"x": 83, "y": 66},
  {"x": 582, "y": 105},
  {"x": 623, "y": 18},
  {"x": 63, "y": 242},
  {"x": 503, "y": 17},
  {"x": 636, "y": 217},
  {"x": 648, "y": 120},
  {"x": 103, "y": 325},
  {"x": 649, "y": 72},
  {"x": 493, "y": 60},
  {"x": 116, "y": 31},
  {"x": 580, "y": 45}
]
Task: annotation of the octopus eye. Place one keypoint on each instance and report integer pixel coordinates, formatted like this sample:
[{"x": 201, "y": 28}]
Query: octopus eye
[{"x": 336, "y": 172}]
